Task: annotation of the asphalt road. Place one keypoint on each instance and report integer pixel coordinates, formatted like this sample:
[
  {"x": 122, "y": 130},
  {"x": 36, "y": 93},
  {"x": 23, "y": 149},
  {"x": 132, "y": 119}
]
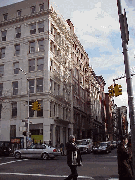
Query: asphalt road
[{"x": 95, "y": 167}]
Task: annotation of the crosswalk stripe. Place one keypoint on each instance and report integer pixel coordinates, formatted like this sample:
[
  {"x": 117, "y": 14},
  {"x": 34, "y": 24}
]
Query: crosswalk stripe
[{"x": 44, "y": 175}]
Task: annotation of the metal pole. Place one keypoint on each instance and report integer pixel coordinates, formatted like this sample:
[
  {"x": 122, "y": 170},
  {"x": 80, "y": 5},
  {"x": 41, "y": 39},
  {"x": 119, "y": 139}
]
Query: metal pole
[
  {"x": 129, "y": 86},
  {"x": 28, "y": 110},
  {"x": 28, "y": 106}
]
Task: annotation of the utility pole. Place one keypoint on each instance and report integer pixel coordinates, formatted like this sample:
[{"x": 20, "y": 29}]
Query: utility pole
[
  {"x": 27, "y": 139},
  {"x": 122, "y": 19}
]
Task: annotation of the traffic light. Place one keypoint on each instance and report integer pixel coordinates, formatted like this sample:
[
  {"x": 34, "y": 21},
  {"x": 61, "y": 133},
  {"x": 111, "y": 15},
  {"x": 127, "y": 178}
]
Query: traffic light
[
  {"x": 35, "y": 106},
  {"x": 117, "y": 90},
  {"x": 39, "y": 107},
  {"x": 111, "y": 90}
]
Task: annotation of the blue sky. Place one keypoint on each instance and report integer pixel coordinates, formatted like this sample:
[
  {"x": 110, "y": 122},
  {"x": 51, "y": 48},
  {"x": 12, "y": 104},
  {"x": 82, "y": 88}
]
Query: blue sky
[{"x": 97, "y": 27}]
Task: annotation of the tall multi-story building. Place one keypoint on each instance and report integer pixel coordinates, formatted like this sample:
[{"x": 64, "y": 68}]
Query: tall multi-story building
[{"x": 55, "y": 71}]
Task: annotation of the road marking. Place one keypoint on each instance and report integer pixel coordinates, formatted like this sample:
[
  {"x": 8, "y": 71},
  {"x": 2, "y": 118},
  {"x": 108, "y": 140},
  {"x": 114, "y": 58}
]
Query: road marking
[
  {"x": 44, "y": 175},
  {"x": 12, "y": 162}
]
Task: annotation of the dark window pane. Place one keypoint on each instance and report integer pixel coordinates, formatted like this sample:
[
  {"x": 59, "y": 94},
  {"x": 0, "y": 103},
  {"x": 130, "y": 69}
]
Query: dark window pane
[
  {"x": 1, "y": 88},
  {"x": 40, "y": 85},
  {"x": 15, "y": 87},
  {"x": 40, "y": 64},
  {"x": 14, "y": 109},
  {"x": 31, "y": 65},
  {"x": 31, "y": 85}
]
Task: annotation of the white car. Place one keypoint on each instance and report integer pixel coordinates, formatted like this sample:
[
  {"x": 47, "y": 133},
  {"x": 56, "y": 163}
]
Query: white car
[
  {"x": 85, "y": 145},
  {"x": 37, "y": 151}
]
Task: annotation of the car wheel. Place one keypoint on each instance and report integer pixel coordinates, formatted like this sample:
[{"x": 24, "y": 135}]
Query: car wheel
[
  {"x": 107, "y": 151},
  {"x": 17, "y": 155},
  {"x": 45, "y": 156}
]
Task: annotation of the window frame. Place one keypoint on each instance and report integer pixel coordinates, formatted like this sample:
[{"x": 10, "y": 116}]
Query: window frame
[
  {"x": 32, "y": 67},
  {"x": 3, "y": 37},
  {"x": 31, "y": 87},
  {"x": 14, "y": 88},
  {"x": 18, "y": 34},
  {"x": 41, "y": 7},
  {"x": 16, "y": 69},
  {"x": 40, "y": 65},
  {"x": 2, "y": 54},
  {"x": 38, "y": 85},
  {"x": 5, "y": 15},
  {"x": 32, "y": 30},
  {"x": 40, "y": 29},
  {"x": 32, "y": 7},
  {"x": 14, "y": 108},
  {"x": 1, "y": 71},
  {"x": 1, "y": 88},
  {"x": 30, "y": 47},
  {"x": 41, "y": 47},
  {"x": 17, "y": 51},
  {"x": 19, "y": 11}
]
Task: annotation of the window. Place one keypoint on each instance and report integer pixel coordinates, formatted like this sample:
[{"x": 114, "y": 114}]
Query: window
[
  {"x": 1, "y": 70},
  {"x": 41, "y": 45},
  {"x": 51, "y": 109},
  {"x": 41, "y": 27},
  {"x": 14, "y": 109},
  {"x": 19, "y": 13},
  {"x": 5, "y": 17},
  {"x": 51, "y": 85},
  {"x": 0, "y": 110},
  {"x": 31, "y": 65},
  {"x": 16, "y": 68},
  {"x": 3, "y": 52},
  {"x": 1, "y": 88},
  {"x": 51, "y": 65},
  {"x": 33, "y": 9},
  {"x": 41, "y": 7},
  {"x": 18, "y": 32},
  {"x": 52, "y": 29},
  {"x": 40, "y": 85},
  {"x": 31, "y": 85},
  {"x": 17, "y": 49},
  {"x": 40, "y": 64},
  {"x": 15, "y": 87},
  {"x": 13, "y": 131},
  {"x": 40, "y": 113},
  {"x": 3, "y": 34},
  {"x": 32, "y": 47},
  {"x": 33, "y": 28}
]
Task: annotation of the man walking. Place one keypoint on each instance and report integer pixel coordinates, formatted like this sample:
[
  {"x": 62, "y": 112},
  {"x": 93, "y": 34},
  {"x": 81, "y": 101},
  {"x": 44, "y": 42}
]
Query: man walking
[
  {"x": 72, "y": 159},
  {"x": 124, "y": 168}
]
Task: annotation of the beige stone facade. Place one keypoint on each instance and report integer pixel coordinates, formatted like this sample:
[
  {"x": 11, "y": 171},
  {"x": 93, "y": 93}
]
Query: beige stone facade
[{"x": 34, "y": 38}]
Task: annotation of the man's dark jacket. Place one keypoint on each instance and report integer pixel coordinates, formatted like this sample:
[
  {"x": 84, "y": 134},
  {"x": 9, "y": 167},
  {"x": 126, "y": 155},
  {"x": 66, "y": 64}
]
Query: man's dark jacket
[
  {"x": 71, "y": 150},
  {"x": 124, "y": 169}
]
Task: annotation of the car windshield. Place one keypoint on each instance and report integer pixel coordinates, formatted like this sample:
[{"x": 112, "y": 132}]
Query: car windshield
[
  {"x": 103, "y": 144},
  {"x": 81, "y": 142}
]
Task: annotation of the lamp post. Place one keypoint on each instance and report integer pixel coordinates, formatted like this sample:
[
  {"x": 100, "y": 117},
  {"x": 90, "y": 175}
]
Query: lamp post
[{"x": 28, "y": 103}]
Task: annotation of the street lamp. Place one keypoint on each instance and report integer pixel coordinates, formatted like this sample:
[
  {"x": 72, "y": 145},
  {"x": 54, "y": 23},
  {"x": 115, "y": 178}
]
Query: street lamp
[{"x": 28, "y": 103}]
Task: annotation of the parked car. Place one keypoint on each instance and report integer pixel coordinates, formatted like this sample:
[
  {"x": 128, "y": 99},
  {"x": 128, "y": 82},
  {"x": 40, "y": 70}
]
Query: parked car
[
  {"x": 37, "y": 151},
  {"x": 114, "y": 144},
  {"x": 85, "y": 145},
  {"x": 102, "y": 147},
  {"x": 5, "y": 150}
]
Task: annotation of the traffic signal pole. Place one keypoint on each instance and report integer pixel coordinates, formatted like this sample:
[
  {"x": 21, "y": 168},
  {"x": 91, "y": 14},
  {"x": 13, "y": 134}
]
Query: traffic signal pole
[{"x": 128, "y": 81}]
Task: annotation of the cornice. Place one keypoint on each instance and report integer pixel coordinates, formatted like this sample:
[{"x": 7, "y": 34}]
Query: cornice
[{"x": 23, "y": 18}]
